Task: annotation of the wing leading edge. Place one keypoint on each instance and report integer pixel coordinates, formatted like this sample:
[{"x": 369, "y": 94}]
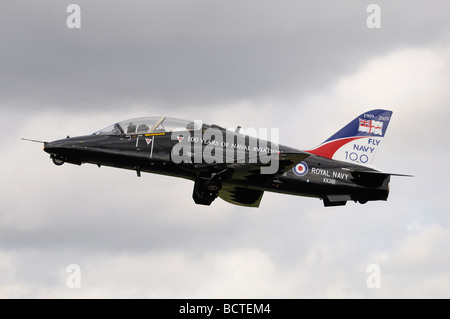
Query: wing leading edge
[{"x": 248, "y": 197}]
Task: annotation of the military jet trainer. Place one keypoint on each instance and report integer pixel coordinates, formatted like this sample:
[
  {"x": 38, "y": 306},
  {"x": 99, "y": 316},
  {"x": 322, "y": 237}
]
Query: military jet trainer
[{"x": 237, "y": 167}]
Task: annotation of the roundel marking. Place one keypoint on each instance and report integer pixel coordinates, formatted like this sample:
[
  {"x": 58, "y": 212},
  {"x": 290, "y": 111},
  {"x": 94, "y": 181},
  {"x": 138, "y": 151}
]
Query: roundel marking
[{"x": 300, "y": 169}]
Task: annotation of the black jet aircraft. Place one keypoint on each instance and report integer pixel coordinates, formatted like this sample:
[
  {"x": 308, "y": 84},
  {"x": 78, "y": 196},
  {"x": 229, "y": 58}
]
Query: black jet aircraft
[{"x": 238, "y": 167}]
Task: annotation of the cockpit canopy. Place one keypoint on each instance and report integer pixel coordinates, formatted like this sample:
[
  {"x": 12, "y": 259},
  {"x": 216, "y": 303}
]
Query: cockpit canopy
[{"x": 147, "y": 125}]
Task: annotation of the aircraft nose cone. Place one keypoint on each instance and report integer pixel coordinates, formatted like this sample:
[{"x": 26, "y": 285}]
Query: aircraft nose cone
[
  {"x": 59, "y": 147},
  {"x": 64, "y": 150},
  {"x": 57, "y": 151},
  {"x": 46, "y": 147},
  {"x": 53, "y": 147}
]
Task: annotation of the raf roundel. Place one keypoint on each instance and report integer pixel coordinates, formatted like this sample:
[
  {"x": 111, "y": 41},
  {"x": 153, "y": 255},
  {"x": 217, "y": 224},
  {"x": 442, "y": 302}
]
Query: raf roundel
[{"x": 301, "y": 169}]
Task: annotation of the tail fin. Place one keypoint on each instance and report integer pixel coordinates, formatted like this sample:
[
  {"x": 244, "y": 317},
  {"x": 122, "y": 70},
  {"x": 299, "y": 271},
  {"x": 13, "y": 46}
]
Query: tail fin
[{"x": 358, "y": 141}]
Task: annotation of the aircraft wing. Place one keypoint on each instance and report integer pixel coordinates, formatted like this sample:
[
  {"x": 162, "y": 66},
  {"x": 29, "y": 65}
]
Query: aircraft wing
[
  {"x": 242, "y": 170},
  {"x": 285, "y": 162},
  {"x": 289, "y": 160},
  {"x": 241, "y": 196},
  {"x": 239, "y": 173}
]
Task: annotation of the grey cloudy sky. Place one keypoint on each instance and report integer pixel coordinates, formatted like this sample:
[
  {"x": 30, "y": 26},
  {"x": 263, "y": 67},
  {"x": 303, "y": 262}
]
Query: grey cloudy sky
[{"x": 305, "y": 67}]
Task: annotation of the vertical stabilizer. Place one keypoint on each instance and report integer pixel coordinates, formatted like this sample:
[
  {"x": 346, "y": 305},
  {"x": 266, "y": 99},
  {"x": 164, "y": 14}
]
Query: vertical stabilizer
[{"x": 358, "y": 141}]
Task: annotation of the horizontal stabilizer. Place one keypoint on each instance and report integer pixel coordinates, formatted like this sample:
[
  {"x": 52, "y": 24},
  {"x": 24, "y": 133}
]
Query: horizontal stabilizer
[
  {"x": 372, "y": 178},
  {"x": 377, "y": 173}
]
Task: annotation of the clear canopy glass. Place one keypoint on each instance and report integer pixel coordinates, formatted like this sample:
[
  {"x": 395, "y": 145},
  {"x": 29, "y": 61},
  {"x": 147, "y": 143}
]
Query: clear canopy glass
[{"x": 146, "y": 125}]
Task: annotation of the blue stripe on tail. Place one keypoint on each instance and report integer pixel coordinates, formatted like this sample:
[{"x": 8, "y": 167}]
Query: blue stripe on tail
[{"x": 358, "y": 141}]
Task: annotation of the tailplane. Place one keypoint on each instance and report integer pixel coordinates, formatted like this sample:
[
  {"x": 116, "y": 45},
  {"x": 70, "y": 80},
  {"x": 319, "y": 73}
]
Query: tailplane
[{"x": 358, "y": 141}]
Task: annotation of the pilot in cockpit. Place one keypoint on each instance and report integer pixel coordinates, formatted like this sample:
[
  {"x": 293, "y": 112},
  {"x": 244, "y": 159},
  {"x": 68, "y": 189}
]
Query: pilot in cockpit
[
  {"x": 143, "y": 128},
  {"x": 131, "y": 128},
  {"x": 190, "y": 126}
]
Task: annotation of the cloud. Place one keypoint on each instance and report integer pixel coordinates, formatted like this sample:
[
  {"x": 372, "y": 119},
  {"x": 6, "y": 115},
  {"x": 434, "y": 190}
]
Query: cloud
[
  {"x": 194, "y": 54},
  {"x": 416, "y": 262},
  {"x": 412, "y": 83},
  {"x": 305, "y": 68}
]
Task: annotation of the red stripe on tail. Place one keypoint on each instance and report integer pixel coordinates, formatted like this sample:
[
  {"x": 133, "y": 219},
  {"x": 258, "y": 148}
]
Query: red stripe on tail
[{"x": 328, "y": 149}]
